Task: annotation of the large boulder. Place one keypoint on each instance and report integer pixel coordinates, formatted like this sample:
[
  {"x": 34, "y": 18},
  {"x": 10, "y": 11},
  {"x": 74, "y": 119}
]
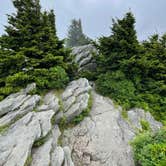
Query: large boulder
[
  {"x": 102, "y": 139},
  {"x": 74, "y": 99},
  {"x": 84, "y": 57}
]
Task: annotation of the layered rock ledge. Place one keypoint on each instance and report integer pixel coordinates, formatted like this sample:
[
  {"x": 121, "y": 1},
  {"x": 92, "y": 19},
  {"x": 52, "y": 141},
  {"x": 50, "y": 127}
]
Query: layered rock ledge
[{"x": 30, "y": 134}]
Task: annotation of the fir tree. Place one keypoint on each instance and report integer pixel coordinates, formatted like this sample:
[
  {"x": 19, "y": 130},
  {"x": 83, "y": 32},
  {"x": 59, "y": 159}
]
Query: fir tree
[
  {"x": 121, "y": 45},
  {"x": 76, "y": 37},
  {"x": 31, "y": 50}
]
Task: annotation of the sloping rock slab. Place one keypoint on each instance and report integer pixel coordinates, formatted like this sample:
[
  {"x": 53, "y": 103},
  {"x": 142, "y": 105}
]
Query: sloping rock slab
[
  {"x": 16, "y": 143},
  {"x": 102, "y": 139},
  {"x": 17, "y": 105}
]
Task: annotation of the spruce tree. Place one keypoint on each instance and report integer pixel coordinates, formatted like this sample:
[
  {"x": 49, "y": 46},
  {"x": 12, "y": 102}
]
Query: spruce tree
[
  {"x": 31, "y": 50},
  {"x": 120, "y": 46},
  {"x": 76, "y": 37}
]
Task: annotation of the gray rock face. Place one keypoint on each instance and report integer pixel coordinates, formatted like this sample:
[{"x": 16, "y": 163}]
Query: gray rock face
[
  {"x": 50, "y": 102},
  {"x": 136, "y": 115},
  {"x": 17, "y": 105},
  {"x": 16, "y": 144},
  {"x": 84, "y": 57},
  {"x": 103, "y": 138},
  {"x": 46, "y": 154},
  {"x": 67, "y": 159},
  {"x": 75, "y": 99}
]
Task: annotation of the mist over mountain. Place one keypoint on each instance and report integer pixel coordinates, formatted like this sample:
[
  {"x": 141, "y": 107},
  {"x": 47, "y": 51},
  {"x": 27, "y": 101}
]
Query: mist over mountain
[{"x": 97, "y": 15}]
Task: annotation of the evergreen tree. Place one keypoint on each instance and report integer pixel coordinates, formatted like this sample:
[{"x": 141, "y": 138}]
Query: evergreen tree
[
  {"x": 31, "y": 50},
  {"x": 23, "y": 25},
  {"x": 76, "y": 37},
  {"x": 133, "y": 73},
  {"x": 120, "y": 46}
]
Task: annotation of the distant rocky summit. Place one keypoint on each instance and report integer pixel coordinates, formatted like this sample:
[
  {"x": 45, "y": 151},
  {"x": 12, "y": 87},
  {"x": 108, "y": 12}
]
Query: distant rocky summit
[
  {"x": 38, "y": 130},
  {"x": 84, "y": 57}
]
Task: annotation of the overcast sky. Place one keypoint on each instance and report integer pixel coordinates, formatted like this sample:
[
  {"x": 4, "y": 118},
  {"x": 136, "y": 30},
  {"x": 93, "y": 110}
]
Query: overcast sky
[{"x": 96, "y": 15}]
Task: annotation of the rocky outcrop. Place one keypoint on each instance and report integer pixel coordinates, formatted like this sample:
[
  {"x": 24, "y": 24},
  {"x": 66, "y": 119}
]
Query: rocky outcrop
[
  {"x": 17, "y": 105},
  {"x": 50, "y": 102},
  {"x": 84, "y": 57},
  {"x": 50, "y": 153},
  {"x": 102, "y": 139},
  {"x": 17, "y": 142},
  {"x": 74, "y": 99},
  {"x": 32, "y": 136}
]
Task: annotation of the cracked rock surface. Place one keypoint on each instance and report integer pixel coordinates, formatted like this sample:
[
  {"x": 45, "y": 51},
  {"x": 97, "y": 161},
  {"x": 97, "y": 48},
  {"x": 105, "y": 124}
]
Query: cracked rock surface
[
  {"x": 102, "y": 139},
  {"x": 74, "y": 99},
  {"x": 17, "y": 105},
  {"x": 16, "y": 143},
  {"x": 84, "y": 57},
  {"x": 33, "y": 138}
]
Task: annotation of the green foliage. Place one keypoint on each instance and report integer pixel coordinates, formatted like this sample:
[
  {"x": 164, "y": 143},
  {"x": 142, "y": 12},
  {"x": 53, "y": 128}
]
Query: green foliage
[
  {"x": 62, "y": 124},
  {"x": 116, "y": 86},
  {"x": 124, "y": 114},
  {"x": 30, "y": 50},
  {"x": 150, "y": 149},
  {"x": 90, "y": 75},
  {"x": 76, "y": 37},
  {"x": 41, "y": 141},
  {"x": 54, "y": 78},
  {"x": 132, "y": 73},
  {"x": 4, "y": 128},
  {"x": 5, "y": 91},
  {"x": 145, "y": 125},
  {"x": 17, "y": 80},
  {"x": 28, "y": 161}
]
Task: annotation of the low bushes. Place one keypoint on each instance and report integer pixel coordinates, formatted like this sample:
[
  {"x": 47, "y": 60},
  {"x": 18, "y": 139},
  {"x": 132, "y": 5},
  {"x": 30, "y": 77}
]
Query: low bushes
[{"x": 150, "y": 149}]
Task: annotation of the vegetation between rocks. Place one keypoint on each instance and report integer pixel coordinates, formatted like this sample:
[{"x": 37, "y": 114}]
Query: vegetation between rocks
[{"x": 150, "y": 149}]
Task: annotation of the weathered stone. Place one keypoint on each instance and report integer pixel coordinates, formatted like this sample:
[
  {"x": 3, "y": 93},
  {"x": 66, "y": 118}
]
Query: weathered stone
[
  {"x": 16, "y": 143},
  {"x": 43, "y": 155},
  {"x": 68, "y": 160},
  {"x": 84, "y": 56},
  {"x": 50, "y": 102},
  {"x": 57, "y": 157},
  {"x": 136, "y": 115},
  {"x": 29, "y": 88},
  {"x": 102, "y": 139},
  {"x": 59, "y": 116},
  {"x": 19, "y": 101},
  {"x": 17, "y": 108},
  {"x": 74, "y": 99}
]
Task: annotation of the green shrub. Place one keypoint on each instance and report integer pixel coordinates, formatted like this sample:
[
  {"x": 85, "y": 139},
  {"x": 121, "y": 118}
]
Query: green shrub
[
  {"x": 53, "y": 78},
  {"x": 57, "y": 78},
  {"x": 90, "y": 75},
  {"x": 145, "y": 125},
  {"x": 17, "y": 80},
  {"x": 150, "y": 149},
  {"x": 116, "y": 86}
]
